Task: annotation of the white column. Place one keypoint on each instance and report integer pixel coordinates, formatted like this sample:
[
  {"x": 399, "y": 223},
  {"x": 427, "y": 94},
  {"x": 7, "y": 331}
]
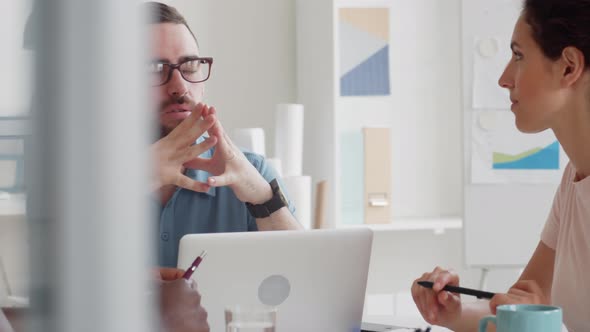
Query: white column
[
  {"x": 316, "y": 90},
  {"x": 87, "y": 186}
]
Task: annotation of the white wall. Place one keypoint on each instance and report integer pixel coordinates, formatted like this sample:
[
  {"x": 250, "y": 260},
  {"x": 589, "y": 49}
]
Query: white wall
[
  {"x": 423, "y": 110},
  {"x": 398, "y": 258},
  {"x": 316, "y": 91},
  {"x": 15, "y": 85}
]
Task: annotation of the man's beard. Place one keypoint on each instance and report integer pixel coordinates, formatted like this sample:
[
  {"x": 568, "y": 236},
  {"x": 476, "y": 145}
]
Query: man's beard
[
  {"x": 184, "y": 99},
  {"x": 164, "y": 131}
]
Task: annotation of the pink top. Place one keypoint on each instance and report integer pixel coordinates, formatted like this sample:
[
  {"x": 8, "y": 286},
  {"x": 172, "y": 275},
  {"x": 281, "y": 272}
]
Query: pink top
[{"x": 567, "y": 231}]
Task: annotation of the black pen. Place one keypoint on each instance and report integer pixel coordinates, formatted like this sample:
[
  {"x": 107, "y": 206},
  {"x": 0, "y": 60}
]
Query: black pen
[{"x": 455, "y": 289}]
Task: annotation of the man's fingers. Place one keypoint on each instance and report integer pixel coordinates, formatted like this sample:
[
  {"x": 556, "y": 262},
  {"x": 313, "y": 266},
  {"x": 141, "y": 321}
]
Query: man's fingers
[
  {"x": 225, "y": 145},
  {"x": 186, "y": 124},
  {"x": 169, "y": 273},
  {"x": 192, "y": 284},
  {"x": 188, "y": 135},
  {"x": 192, "y": 127},
  {"x": 198, "y": 149},
  {"x": 201, "y": 127},
  {"x": 202, "y": 316},
  {"x": 217, "y": 128},
  {"x": 209, "y": 110},
  {"x": 228, "y": 153},
  {"x": 185, "y": 182},
  {"x": 221, "y": 180},
  {"x": 225, "y": 148}
]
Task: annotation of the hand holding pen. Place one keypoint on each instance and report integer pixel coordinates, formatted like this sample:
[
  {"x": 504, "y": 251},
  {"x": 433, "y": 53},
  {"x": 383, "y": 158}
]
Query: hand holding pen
[
  {"x": 459, "y": 290},
  {"x": 189, "y": 272},
  {"x": 438, "y": 307},
  {"x": 180, "y": 301},
  {"x": 171, "y": 274},
  {"x": 180, "y": 307}
]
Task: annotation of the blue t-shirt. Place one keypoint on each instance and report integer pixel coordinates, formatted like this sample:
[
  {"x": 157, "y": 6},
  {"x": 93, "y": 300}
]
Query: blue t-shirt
[{"x": 218, "y": 210}]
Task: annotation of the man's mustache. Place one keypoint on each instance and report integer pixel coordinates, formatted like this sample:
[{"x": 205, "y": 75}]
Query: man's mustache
[{"x": 175, "y": 101}]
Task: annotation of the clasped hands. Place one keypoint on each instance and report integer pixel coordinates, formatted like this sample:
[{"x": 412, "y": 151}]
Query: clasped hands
[{"x": 228, "y": 166}]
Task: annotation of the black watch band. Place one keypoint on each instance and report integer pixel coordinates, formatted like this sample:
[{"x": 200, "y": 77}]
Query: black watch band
[{"x": 267, "y": 208}]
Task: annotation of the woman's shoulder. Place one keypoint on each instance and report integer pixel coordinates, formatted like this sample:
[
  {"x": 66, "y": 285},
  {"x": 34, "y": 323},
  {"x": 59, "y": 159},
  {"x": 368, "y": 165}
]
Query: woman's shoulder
[{"x": 569, "y": 174}]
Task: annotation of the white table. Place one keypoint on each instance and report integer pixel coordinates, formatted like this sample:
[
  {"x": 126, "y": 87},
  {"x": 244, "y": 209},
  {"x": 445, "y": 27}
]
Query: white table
[
  {"x": 412, "y": 322},
  {"x": 12, "y": 204}
]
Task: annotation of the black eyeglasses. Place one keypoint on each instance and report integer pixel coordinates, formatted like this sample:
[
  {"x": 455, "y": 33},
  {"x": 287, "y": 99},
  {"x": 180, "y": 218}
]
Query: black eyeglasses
[{"x": 194, "y": 70}]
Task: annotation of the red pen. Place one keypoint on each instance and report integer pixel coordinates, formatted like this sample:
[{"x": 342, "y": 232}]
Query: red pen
[{"x": 189, "y": 272}]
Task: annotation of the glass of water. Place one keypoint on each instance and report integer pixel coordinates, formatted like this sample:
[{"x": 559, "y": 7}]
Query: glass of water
[{"x": 250, "y": 319}]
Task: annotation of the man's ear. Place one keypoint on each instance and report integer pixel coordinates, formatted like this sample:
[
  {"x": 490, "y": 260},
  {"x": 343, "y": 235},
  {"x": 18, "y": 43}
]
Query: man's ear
[{"x": 574, "y": 65}]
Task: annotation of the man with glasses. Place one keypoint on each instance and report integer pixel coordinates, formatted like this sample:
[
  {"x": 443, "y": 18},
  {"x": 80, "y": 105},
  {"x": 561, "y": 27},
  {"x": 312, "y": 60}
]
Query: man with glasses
[{"x": 205, "y": 185}]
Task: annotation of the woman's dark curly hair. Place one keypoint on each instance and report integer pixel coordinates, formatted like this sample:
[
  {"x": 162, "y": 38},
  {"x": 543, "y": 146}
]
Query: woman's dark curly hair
[{"x": 557, "y": 24}]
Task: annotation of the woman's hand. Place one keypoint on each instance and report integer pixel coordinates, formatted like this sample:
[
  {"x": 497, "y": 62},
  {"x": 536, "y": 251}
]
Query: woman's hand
[
  {"x": 523, "y": 292},
  {"x": 438, "y": 307}
]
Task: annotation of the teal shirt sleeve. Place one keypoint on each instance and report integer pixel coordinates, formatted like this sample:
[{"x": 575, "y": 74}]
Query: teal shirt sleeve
[{"x": 268, "y": 173}]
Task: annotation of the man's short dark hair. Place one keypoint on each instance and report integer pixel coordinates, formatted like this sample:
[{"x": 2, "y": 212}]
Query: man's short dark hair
[{"x": 162, "y": 13}]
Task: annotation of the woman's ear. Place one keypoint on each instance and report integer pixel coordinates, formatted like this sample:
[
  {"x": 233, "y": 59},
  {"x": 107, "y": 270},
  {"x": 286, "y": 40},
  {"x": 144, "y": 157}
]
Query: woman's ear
[{"x": 574, "y": 65}]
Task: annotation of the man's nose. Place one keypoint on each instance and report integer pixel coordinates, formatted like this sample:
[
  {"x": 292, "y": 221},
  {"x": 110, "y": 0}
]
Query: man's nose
[{"x": 177, "y": 86}]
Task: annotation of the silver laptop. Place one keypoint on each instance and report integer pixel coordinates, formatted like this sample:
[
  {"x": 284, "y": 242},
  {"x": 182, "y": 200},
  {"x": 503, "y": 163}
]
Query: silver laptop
[{"x": 316, "y": 279}]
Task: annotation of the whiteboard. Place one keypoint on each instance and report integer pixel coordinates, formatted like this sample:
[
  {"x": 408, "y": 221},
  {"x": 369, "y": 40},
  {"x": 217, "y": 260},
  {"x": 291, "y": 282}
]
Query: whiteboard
[{"x": 502, "y": 221}]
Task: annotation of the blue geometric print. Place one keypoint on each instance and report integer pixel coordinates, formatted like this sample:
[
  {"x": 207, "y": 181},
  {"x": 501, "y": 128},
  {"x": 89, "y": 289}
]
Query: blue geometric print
[{"x": 370, "y": 78}]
